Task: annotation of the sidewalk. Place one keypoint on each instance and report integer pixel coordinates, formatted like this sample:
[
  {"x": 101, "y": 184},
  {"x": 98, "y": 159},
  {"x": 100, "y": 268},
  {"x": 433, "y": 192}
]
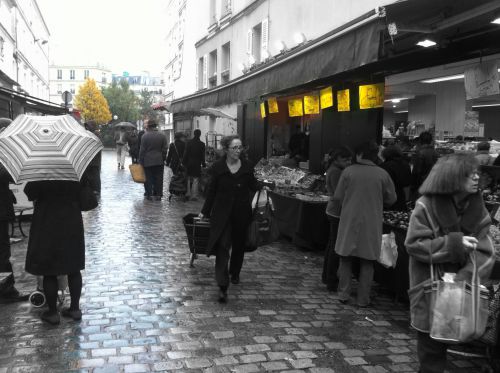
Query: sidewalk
[{"x": 145, "y": 310}]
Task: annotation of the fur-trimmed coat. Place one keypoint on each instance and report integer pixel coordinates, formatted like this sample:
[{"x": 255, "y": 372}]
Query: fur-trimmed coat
[{"x": 435, "y": 233}]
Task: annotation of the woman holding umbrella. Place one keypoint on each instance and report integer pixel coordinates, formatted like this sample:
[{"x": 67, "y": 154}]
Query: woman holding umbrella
[{"x": 55, "y": 179}]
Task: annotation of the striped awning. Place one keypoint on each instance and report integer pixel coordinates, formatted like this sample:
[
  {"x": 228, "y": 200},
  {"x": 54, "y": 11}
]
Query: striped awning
[{"x": 36, "y": 148}]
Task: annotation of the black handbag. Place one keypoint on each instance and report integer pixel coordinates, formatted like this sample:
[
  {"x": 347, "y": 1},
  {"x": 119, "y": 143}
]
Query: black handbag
[
  {"x": 263, "y": 228},
  {"x": 88, "y": 199}
]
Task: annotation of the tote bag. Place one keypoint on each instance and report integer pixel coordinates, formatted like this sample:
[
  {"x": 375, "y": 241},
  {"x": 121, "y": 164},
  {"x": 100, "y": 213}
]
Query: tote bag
[
  {"x": 459, "y": 309},
  {"x": 137, "y": 172},
  {"x": 263, "y": 228}
]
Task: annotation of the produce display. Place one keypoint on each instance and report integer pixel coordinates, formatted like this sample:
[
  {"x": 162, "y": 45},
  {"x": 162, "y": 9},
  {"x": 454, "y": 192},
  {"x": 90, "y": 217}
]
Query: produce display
[
  {"x": 292, "y": 182},
  {"x": 397, "y": 219}
]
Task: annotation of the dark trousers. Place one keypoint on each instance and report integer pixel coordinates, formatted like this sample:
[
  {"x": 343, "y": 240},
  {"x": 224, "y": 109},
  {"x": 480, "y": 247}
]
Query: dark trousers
[
  {"x": 230, "y": 249},
  {"x": 5, "y": 264},
  {"x": 431, "y": 354},
  {"x": 331, "y": 261},
  {"x": 154, "y": 180}
]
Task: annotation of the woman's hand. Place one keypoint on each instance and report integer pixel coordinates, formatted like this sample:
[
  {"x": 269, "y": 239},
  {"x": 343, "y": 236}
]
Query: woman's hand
[{"x": 469, "y": 243}]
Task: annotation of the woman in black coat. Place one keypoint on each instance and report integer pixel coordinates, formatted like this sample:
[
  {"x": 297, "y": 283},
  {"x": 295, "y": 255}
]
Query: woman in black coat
[
  {"x": 399, "y": 170},
  {"x": 176, "y": 153},
  {"x": 56, "y": 243},
  {"x": 228, "y": 205}
]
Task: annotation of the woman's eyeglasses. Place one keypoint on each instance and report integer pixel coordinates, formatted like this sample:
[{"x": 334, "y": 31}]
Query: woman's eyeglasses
[
  {"x": 238, "y": 147},
  {"x": 475, "y": 175}
]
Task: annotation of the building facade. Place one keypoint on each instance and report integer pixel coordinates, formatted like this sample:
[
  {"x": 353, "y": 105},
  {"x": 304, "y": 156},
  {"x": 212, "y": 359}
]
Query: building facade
[
  {"x": 24, "y": 59},
  {"x": 71, "y": 77}
]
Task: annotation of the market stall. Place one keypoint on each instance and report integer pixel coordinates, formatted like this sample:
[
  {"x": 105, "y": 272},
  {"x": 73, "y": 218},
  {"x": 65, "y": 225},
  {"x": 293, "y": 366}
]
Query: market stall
[{"x": 299, "y": 201}]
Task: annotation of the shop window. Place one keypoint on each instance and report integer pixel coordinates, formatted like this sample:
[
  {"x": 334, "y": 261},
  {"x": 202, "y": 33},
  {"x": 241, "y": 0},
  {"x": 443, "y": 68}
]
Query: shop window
[
  {"x": 225, "y": 62},
  {"x": 59, "y": 74},
  {"x": 72, "y": 74},
  {"x": 212, "y": 69}
]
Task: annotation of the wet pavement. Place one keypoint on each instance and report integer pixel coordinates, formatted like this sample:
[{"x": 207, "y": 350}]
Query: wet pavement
[{"x": 145, "y": 309}]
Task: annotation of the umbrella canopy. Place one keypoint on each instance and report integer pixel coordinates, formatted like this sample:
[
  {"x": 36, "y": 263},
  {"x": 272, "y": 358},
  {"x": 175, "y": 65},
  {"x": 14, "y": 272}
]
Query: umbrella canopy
[
  {"x": 124, "y": 125},
  {"x": 36, "y": 148}
]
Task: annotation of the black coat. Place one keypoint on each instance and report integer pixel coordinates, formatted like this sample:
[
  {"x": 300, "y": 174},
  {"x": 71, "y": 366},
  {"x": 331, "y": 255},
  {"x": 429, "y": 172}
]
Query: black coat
[
  {"x": 194, "y": 157},
  {"x": 174, "y": 157},
  {"x": 56, "y": 243},
  {"x": 400, "y": 172},
  {"x": 229, "y": 199},
  {"x": 7, "y": 198}
]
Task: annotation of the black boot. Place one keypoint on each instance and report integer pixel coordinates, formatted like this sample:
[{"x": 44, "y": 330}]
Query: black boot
[{"x": 222, "y": 294}]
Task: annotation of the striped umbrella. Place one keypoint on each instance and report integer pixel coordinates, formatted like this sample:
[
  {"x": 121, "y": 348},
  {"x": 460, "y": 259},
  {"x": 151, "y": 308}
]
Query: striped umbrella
[{"x": 36, "y": 148}]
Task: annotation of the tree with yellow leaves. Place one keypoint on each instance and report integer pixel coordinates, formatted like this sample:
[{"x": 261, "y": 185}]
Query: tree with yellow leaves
[{"x": 92, "y": 103}]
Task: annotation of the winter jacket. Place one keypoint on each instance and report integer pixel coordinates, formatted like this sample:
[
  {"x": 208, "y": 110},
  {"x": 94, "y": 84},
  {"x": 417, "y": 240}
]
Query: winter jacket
[
  {"x": 400, "y": 172},
  {"x": 194, "y": 157},
  {"x": 56, "y": 243},
  {"x": 435, "y": 234},
  {"x": 362, "y": 191},
  {"x": 153, "y": 148},
  {"x": 229, "y": 200},
  {"x": 175, "y": 155}
]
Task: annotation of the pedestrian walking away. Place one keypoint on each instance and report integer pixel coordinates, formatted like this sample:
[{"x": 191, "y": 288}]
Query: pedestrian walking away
[
  {"x": 176, "y": 152},
  {"x": 228, "y": 206},
  {"x": 152, "y": 155},
  {"x": 8, "y": 292},
  {"x": 194, "y": 159},
  {"x": 449, "y": 220},
  {"x": 339, "y": 159},
  {"x": 121, "y": 147},
  {"x": 362, "y": 191},
  {"x": 133, "y": 146},
  {"x": 56, "y": 243}
]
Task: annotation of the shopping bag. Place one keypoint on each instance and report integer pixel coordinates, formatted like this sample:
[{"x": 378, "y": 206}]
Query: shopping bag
[
  {"x": 388, "y": 251},
  {"x": 137, "y": 172},
  {"x": 459, "y": 309},
  {"x": 263, "y": 228}
]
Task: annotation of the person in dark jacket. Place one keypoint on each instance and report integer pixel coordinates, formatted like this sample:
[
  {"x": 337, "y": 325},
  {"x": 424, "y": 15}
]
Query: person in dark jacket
[
  {"x": 423, "y": 161},
  {"x": 400, "y": 172},
  {"x": 228, "y": 205},
  {"x": 133, "y": 146},
  {"x": 94, "y": 168},
  {"x": 176, "y": 152},
  {"x": 8, "y": 292},
  {"x": 56, "y": 243},
  {"x": 152, "y": 156},
  {"x": 193, "y": 160}
]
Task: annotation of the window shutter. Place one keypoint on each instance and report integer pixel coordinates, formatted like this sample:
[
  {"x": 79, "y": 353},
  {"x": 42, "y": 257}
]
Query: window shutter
[
  {"x": 249, "y": 42},
  {"x": 205, "y": 71},
  {"x": 264, "y": 42}
]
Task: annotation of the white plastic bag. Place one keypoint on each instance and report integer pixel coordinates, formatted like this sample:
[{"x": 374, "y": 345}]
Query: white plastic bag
[
  {"x": 388, "y": 251},
  {"x": 261, "y": 195}
]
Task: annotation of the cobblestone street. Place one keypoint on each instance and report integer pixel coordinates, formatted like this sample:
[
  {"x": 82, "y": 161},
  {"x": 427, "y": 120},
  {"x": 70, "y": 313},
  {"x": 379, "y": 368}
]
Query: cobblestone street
[{"x": 145, "y": 310}]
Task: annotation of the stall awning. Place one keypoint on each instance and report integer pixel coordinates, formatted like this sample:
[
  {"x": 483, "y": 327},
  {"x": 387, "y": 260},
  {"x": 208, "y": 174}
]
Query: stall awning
[
  {"x": 163, "y": 105},
  {"x": 346, "y": 48}
]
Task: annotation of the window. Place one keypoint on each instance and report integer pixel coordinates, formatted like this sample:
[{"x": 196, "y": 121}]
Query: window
[
  {"x": 212, "y": 69},
  {"x": 72, "y": 88},
  {"x": 59, "y": 74},
  {"x": 86, "y": 74},
  {"x": 202, "y": 72},
  {"x": 225, "y": 62},
  {"x": 213, "y": 18},
  {"x": 257, "y": 42},
  {"x": 103, "y": 78},
  {"x": 59, "y": 88},
  {"x": 225, "y": 7},
  {"x": 72, "y": 74}
]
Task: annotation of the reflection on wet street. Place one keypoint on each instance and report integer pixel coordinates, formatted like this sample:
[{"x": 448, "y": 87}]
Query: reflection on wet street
[{"x": 144, "y": 308}]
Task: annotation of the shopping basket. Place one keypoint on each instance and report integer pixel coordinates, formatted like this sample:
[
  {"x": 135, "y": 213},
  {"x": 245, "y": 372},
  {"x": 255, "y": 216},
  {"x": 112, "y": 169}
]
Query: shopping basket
[{"x": 197, "y": 231}]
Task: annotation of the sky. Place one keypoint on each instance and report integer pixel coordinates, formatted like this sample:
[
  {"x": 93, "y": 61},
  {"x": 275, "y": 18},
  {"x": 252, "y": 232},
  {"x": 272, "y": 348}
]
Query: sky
[{"x": 122, "y": 35}]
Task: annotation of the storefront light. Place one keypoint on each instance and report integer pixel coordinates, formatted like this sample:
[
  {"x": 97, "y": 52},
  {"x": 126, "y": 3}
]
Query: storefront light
[
  {"x": 426, "y": 43},
  {"x": 280, "y": 46},
  {"x": 496, "y": 21},
  {"x": 299, "y": 38},
  {"x": 443, "y": 78},
  {"x": 486, "y": 105}
]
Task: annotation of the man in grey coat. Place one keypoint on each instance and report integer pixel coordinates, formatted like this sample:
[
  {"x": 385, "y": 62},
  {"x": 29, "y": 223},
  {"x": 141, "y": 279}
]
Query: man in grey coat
[{"x": 152, "y": 155}]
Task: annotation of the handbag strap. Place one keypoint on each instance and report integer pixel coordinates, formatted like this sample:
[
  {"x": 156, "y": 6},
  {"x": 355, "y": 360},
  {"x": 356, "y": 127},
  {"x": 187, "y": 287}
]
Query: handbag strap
[
  {"x": 434, "y": 233},
  {"x": 256, "y": 203}
]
